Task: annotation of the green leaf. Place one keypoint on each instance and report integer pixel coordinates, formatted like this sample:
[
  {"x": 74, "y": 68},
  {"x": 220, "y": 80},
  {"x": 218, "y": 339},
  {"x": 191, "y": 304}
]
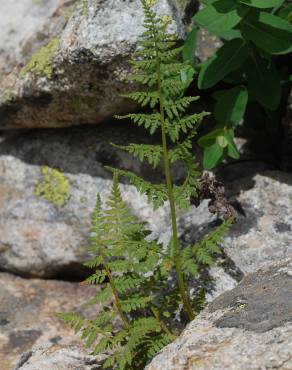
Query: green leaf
[
  {"x": 286, "y": 13},
  {"x": 231, "y": 149},
  {"x": 221, "y": 16},
  {"x": 264, "y": 82},
  {"x": 231, "y": 104},
  {"x": 212, "y": 156},
  {"x": 210, "y": 138},
  {"x": 261, "y": 3},
  {"x": 222, "y": 141},
  {"x": 230, "y": 35},
  {"x": 190, "y": 45},
  {"x": 227, "y": 59},
  {"x": 268, "y": 32}
]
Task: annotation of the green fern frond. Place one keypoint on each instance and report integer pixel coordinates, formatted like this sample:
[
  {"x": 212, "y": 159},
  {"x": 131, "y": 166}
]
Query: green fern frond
[
  {"x": 129, "y": 282},
  {"x": 135, "y": 302},
  {"x": 155, "y": 344},
  {"x": 74, "y": 320},
  {"x": 144, "y": 79},
  {"x": 156, "y": 193},
  {"x": 97, "y": 278},
  {"x": 151, "y": 153},
  {"x": 144, "y": 98},
  {"x": 150, "y": 121},
  {"x": 209, "y": 246},
  {"x": 174, "y": 108},
  {"x": 104, "y": 295}
]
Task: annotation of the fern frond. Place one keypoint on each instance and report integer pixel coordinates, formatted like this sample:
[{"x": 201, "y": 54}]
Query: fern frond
[
  {"x": 209, "y": 246},
  {"x": 97, "y": 278},
  {"x": 144, "y": 98},
  {"x": 155, "y": 344},
  {"x": 156, "y": 193},
  {"x": 104, "y": 295},
  {"x": 94, "y": 261},
  {"x": 173, "y": 108},
  {"x": 150, "y": 121},
  {"x": 149, "y": 79},
  {"x": 144, "y": 65},
  {"x": 173, "y": 88},
  {"x": 125, "y": 283},
  {"x": 169, "y": 55},
  {"x": 189, "y": 263},
  {"x": 135, "y": 302},
  {"x": 75, "y": 320},
  {"x": 190, "y": 186},
  {"x": 182, "y": 150},
  {"x": 151, "y": 153}
]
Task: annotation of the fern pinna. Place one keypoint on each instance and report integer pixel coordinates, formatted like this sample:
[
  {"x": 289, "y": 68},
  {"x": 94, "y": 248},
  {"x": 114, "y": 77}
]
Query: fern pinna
[{"x": 143, "y": 284}]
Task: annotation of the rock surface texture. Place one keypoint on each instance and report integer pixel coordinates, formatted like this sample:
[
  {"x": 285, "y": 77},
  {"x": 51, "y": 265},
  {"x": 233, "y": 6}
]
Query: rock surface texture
[
  {"x": 27, "y": 319},
  {"x": 57, "y": 357},
  {"x": 67, "y": 63},
  {"x": 41, "y": 239},
  {"x": 247, "y": 328}
]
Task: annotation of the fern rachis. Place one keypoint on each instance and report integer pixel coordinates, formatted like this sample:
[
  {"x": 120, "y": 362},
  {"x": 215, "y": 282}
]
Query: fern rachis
[{"x": 142, "y": 283}]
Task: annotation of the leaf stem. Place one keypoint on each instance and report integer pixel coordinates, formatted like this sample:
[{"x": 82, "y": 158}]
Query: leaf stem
[
  {"x": 117, "y": 299},
  {"x": 175, "y": 241},
  {"x": 162, "y": 324}
]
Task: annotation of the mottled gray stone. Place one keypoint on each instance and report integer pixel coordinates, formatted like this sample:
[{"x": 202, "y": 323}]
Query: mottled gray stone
[
  {"x": 27, "y": 317},
  {"x": 57, "y": 357},
  {"x": 89, "y": 66},
  {"x": 262, "y": 234},
  {"x": 38, "y": 238},
  {"x": 213, "y": 342}
]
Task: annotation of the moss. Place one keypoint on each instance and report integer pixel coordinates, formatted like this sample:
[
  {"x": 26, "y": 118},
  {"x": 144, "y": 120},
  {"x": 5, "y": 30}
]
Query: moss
[
  {"x": 41, "y": 62},
  {"x": 54, "y": 187},
  {"x": 8, "y": 96},
  {"x": 85, "y": 7}
]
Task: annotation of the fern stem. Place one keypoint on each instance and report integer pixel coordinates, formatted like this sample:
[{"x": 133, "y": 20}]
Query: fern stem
[
  {"x": 175, "y": 241},
  {"x": 162, "y": 324},
  {"x": 117, "y": 299}
]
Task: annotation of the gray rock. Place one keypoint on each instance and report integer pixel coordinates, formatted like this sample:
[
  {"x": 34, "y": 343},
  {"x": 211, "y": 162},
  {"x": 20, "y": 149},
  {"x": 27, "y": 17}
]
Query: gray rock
[
  {"x": 67, "y": 63},
  {"x": 263, "y": 233},
  {"x": 247, "y": 328},
  {"x": 57, "y": 357},
  {"x": 27, "y": 309},
  {"x": 38, "y": 238},
  {"x": 287, "y": 144}
]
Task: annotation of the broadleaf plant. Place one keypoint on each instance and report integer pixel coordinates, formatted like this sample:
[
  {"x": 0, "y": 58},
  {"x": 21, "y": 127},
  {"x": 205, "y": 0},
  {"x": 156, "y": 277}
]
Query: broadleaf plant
[
  {"x": 255, "y": 35},
  {"x": 147, "y": 288}
]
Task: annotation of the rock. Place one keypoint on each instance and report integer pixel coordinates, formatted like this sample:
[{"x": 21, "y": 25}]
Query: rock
[
  {"x": 263, "y": 231},
  {"x": 67, "y": 63},
  {"x": 247, "y": 328},
  {"x": 287, "y": 142},
  {"x": 41, "y": 239},
  {"x": 56, "y": 357},
  {"x": 27, "y": 318}
]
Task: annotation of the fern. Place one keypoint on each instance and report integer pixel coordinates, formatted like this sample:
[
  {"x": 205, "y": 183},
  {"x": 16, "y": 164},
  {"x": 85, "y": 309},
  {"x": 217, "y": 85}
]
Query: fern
[
  {"x": 142, "y": 284},
  {"x": 118, "y": 246}
]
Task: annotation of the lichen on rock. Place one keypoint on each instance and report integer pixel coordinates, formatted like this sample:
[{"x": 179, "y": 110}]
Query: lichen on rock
[
  {"x": 41, "y": 62},
  {"x": 54, "y": 187},
  {"x": 8, "y": 96}
]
